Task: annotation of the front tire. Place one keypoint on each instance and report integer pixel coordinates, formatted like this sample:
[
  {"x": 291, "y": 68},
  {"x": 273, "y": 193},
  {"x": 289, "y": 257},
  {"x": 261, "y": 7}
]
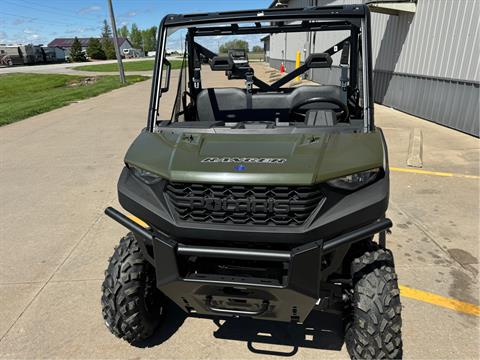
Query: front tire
[
  {"x": 374, "y": 331},
  {"x": 131, "y": 304}
]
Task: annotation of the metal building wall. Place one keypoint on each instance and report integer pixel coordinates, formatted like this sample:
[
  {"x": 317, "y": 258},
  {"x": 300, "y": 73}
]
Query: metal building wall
[{"x": 426, "y": 64}]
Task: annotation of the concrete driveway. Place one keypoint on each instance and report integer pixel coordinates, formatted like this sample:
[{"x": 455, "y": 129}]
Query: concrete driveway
[{"x": 59, "y": 171}]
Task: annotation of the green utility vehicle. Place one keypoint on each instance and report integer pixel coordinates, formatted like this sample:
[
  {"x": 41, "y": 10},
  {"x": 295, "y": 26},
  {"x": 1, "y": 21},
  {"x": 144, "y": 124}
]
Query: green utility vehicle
[
  {"x": 240, "y": 60},
  {"x": 263, "y": 200}
]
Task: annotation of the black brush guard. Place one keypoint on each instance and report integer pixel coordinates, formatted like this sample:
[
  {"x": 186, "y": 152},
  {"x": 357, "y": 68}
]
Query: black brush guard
[{"x": 288, "y": 298}]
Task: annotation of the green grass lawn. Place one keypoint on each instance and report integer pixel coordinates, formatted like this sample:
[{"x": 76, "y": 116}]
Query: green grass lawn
[
  {"x": 142, "y": 65},
  {"x": 25, "y": 95},
  {"x": 256, "y": 56}
]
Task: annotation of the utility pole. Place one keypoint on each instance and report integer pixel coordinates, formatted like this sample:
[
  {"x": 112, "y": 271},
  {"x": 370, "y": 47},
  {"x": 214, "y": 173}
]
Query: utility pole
[{"x": 115, "y": 42}]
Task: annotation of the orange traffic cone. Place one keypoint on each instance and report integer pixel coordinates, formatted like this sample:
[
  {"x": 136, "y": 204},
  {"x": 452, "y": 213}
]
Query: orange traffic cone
[{"x": 282, "y": 68}]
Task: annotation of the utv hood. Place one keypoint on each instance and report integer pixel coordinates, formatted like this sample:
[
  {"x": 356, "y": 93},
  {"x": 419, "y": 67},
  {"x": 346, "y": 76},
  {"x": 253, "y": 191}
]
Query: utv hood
[{"x": 269, "y": 159}]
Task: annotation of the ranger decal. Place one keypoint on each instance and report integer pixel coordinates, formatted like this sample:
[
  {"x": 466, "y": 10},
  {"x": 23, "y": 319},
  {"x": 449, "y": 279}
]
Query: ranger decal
[{"x": 249, "y": 160}]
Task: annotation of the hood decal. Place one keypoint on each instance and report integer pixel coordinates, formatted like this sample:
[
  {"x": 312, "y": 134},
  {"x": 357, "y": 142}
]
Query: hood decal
[{"x": 249, "y": 160}]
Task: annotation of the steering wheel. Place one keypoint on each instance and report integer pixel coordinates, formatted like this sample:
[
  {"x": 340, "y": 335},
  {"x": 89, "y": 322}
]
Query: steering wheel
[{"x": 342, "y": 115}]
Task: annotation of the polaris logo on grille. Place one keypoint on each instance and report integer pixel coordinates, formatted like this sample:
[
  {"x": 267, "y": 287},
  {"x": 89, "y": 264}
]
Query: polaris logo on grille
[
  {"x": 248, "y": 160},
  {"x": 239, "y": 205},
  {"x": 243, "y": 204}
]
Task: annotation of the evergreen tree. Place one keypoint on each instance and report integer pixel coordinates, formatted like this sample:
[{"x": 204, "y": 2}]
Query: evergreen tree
[
  {"x": 76, "y": 53},
  {"x": 107, "y": 42},
  {"x": 136, "y": 37},
  {"x": 106, "y": 31},
  {"x": 123, "y": 32},
  {"x": 95, "y": 49}
]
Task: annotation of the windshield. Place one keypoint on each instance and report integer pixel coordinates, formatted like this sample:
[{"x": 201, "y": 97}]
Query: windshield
[
  {"x": 292, "y": 74},
  {"x": 240, "y": 54}
]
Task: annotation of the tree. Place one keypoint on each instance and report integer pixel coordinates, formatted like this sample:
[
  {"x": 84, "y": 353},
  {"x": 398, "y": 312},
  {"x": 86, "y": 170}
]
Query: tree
[
  {"x": 107, "y": 43},
  {"x": 136, "y": 37},
  {"x": 257, "y": 49},
  {"x": 76, "y": 53},
  {"x": 106, "y": 31},
  {"x": 95, "y": 50},
  {"x": 149, "y": 39},
  {"x": 123, "y": 32},
  {"x": 234, "y": 44}
]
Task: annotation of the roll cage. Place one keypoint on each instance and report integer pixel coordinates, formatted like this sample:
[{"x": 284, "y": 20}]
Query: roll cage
[{"x": 354, "y": 18}]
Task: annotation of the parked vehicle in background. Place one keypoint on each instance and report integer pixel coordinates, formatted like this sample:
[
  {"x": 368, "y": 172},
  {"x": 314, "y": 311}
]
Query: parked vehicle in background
[
  {"x": 30, "y": 54},
  {"x": 39, "y": 55},
  {"x": 132, "y": 53},
  {"x": 20, "y": 54},
  {"x": 53, "y": 54},
  {"x": 239, "y": 57},
  {"x": 10, "y": 55},
  {"x": 240, "y": 60},
  {"x": 48, "y": 54},
  {"x": 5, "y": 60}
]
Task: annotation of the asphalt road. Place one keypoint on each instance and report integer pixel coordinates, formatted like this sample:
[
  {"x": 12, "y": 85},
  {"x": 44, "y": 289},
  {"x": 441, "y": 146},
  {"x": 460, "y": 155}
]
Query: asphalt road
[{"x": 59, "y": 171}]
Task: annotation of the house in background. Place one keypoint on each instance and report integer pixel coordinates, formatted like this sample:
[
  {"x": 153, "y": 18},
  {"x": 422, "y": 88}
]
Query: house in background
[{"x": 66, "y": 44}]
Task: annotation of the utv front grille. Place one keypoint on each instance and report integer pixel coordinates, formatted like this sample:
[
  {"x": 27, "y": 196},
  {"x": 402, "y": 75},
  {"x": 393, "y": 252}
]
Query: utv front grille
[{"x": 238, "y": 204}]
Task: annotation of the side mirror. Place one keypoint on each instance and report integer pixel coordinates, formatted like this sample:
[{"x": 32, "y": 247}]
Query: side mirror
[{"x": 166, "y": 79}]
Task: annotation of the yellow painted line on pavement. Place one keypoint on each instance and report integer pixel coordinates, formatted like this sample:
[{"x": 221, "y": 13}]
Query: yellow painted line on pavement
[
  {"x": 439, "y": 300},
  {"x": 434, "y": 173},
  {"x": 138, "y": 221}
]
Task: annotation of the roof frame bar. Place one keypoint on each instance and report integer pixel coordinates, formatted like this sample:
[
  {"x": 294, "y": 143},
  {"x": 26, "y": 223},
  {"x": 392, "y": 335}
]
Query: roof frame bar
[
  {"x": 266, "y": 15},
  {"x": 246, "y": 30}
]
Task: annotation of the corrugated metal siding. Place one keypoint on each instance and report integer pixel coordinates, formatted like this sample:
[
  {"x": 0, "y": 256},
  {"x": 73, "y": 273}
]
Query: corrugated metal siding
[
  {"x": 442, "y": 39},
  {"x": 292, "y": 42},
  {"x": 426, "y": 64},
  {"x": 451, "y": 103}
]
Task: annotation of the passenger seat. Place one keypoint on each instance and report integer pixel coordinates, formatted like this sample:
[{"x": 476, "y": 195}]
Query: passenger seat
[{"x": 221, "y": 104}]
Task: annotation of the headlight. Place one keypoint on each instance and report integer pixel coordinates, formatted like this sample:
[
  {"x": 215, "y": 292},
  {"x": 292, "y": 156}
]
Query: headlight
[
  {"x": 144, "y": 175},
  {"x": 355, "y": 181}
]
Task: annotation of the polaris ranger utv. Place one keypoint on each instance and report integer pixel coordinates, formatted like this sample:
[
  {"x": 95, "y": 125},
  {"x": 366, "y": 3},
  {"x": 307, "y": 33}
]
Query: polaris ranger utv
[
  {"x": 240, "y": 60},
  {"x": 260, "y": 200}
]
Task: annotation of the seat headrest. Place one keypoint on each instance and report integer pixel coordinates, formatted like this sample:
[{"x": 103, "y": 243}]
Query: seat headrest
[
  {"x": 319, "y": 60},
  {"x": 221, "y": 63}
]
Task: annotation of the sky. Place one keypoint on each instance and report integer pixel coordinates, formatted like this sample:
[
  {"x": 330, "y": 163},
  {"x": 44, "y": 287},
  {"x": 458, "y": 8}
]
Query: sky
[{"x": 40, "y": 21}]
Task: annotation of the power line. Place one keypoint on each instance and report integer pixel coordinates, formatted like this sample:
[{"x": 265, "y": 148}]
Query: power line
[
  {"x": 52, "y": 9},
  {"x": 33, "y": 19}
]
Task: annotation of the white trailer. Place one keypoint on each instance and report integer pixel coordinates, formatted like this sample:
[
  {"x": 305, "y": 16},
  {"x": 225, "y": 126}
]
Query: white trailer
[{"x": 28, "y": 54}]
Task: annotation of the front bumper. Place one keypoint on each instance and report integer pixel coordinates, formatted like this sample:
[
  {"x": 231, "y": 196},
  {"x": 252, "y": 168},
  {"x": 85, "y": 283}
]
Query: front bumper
[{"x": 288, "y": 297}]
